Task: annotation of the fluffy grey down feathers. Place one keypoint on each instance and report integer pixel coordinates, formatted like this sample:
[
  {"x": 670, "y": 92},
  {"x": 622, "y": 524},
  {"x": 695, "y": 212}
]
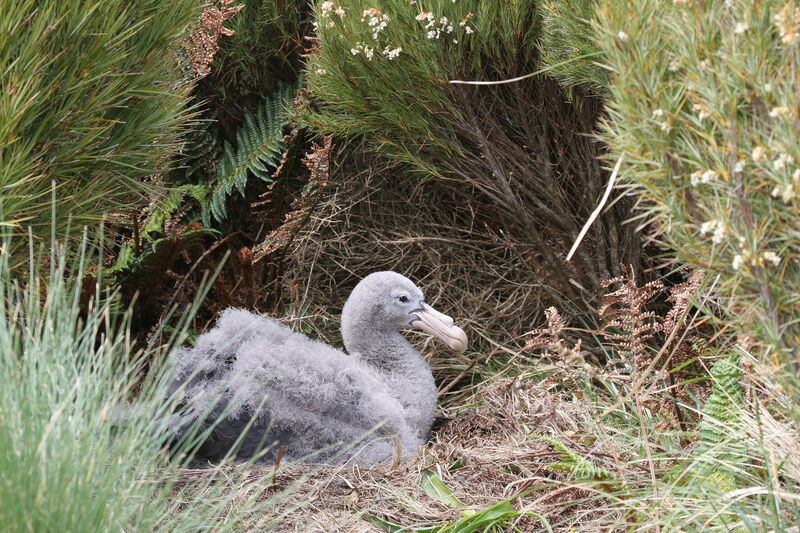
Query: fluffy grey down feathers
[{"x": 253, "y": 383}]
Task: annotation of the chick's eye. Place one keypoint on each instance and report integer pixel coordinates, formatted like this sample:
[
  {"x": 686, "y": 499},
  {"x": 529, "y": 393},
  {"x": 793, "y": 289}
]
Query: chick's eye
[{"x": 403, "y": 299}]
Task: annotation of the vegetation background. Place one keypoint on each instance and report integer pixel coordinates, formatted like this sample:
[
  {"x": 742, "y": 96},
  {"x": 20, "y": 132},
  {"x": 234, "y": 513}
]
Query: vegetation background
[{"x": 268, "y": 154}]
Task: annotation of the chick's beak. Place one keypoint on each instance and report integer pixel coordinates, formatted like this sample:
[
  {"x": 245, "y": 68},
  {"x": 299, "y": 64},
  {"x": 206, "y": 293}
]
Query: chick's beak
[{"x": 441, "y": 326}]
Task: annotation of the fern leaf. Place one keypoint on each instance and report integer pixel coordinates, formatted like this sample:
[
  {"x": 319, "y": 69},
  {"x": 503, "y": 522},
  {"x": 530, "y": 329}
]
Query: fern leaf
[
  {"x": 259, "y": 145},
  {"x": 164, "y": 210},
  {"x": 719, "y": 447},
  {"x": 573, "y": 464}
]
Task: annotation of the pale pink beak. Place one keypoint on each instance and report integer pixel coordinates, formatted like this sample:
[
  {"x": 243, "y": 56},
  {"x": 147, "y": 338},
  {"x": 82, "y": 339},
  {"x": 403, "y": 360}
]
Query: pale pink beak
[{"x": 440, "y": 326}]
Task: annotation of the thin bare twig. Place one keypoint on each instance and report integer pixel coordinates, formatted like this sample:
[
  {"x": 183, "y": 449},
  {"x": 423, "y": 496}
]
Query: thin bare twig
[{"x": 597, "y": 210}]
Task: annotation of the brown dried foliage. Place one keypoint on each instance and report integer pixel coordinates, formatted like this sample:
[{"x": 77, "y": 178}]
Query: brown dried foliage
[
  {"x": 318, "y": 162},
  {"x": 645, "y": 345},
  {"x": 203, "y": 42}
]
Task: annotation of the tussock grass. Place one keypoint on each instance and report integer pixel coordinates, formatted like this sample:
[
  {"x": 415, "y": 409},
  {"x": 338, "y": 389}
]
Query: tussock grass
[{"x": 67, "y": 365}]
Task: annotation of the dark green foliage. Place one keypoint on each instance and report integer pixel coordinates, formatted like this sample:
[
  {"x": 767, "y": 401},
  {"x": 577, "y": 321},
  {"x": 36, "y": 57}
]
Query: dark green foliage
[
  {"x": 91, "y": 103},
  {"x": 156, "y": 256},
  {"x": 259, "y": 145},
  {"x": 166, "y": 208},
  {"x": 139, "y": 262},
  {"x": 258, "y": 58}
]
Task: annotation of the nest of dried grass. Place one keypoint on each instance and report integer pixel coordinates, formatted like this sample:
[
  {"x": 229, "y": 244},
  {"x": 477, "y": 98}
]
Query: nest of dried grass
[
  {"x": 484, "y": 455},
  {"x": 373, "y": 216}
]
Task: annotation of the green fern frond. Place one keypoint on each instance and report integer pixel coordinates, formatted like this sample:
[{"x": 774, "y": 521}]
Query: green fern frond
[
  {"x": 259, "y": 145},
  {"x": 719, "y": 428},
  {"x": 170, "y": 204},
  {"x": 573, "y": 464}
]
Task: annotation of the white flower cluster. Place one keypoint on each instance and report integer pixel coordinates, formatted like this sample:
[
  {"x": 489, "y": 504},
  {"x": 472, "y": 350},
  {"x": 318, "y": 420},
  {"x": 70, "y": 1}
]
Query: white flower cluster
[
  {"x": 376, "y": 21},
  {"x": 759, "y": 153},
  {"x": 787, "y": 20},
  {"x": 747, "y": 257},
  {"x": 360, "y": 48},
  {"x": 716, "y": 228},
  {"x": 702, "y": 112},
  {"x": 782, "y": 161},
  {"x": 326, "y": 9},
  {"x": 664, "y": 125},
  {"x": 703, "y": 176},
  {"x": 788, "y": 191},
  {"x": 436, "y": 28},
  {"x": 779, "y": 111},
  {"x": 391, "y": 54}
]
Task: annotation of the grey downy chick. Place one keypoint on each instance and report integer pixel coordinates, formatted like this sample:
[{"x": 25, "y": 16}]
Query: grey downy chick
[{"x": 254, "y": 385}]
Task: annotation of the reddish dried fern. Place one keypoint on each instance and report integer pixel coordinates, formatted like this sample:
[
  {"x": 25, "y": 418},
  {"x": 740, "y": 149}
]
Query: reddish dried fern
[
  {"x": 318, "y": 162},
  {"x": 203, "y": 42}
]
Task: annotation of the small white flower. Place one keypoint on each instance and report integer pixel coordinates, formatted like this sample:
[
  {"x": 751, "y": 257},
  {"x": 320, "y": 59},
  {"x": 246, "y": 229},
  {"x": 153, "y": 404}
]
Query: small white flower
[
  {"x": 339, "y": 11},
  {"x": 391, "y": 54},
  {"x": 666, "y": 127},
  {"x": 702, "y": 112},
  {"x": 321, "y": 71},
  {"x": 786, "y": 192},
  {"x": 738, "y": 262},
  {"x": 779, "y": 111},
  {"x": 741, "y": 27},
  {"x": 759, "y": 153},
  {"x": 771, "y": 257},
  {"x": 425, "y": 16},
  {"x": 739, "y": 166},
  {"x": 622, "y": 36},
  {"x": 432, "y": 34},
  {"x": 716, "y": 228},
  {"x": 703, "y": 176},
  {"x": 658, "y": 113},
  {"x": 780, "y": 162},
  {"x": 767, "y": 87},
  {"x": 468, "y": 30},
  {"x": 674, "y": 65}
]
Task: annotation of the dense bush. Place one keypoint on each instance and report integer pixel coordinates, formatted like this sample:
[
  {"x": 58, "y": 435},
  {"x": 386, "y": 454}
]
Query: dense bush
[
  {"x": 91, "y": 104},
  {"x": 702, "y": 107},
  {"x": 382, "y": 73}
]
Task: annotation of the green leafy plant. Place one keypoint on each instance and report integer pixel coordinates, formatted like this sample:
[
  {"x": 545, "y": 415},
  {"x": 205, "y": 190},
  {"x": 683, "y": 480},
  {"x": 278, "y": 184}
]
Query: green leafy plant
[
  {"x": 496, "y": 517},
  {"x": 580, "y": 468},
  {"x": 259, "y": 145},
  {"x": 720, "y": 429}
]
